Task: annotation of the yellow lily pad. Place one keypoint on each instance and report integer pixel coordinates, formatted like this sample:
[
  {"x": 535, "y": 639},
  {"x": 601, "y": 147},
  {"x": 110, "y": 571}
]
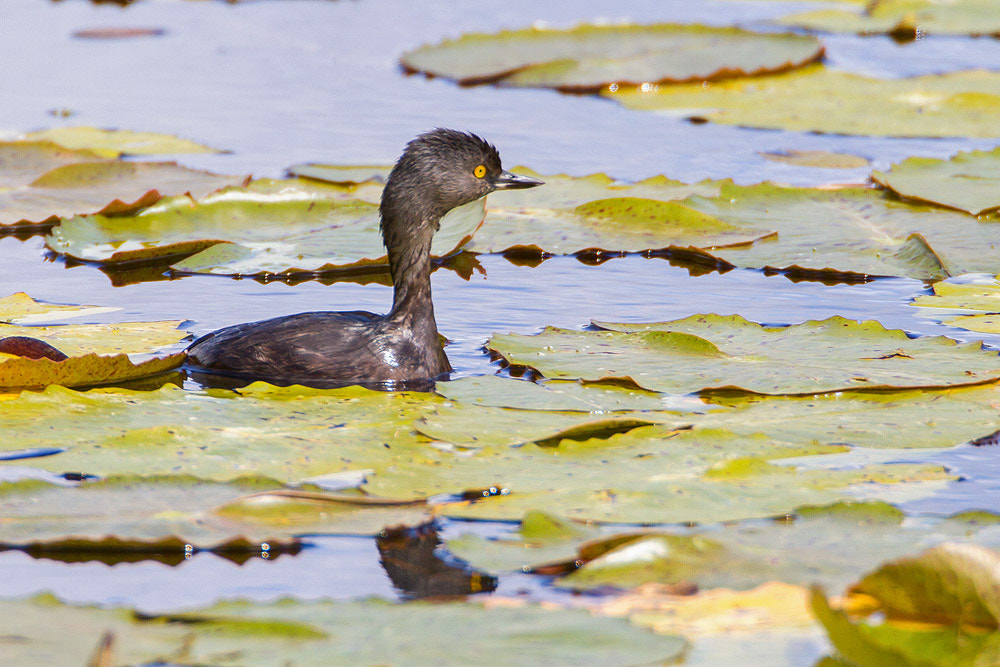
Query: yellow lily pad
[{"x": 115, "y": 143}]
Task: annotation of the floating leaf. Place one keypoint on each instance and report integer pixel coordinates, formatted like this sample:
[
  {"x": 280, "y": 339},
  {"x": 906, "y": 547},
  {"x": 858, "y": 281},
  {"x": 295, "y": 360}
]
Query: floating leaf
[
  {"x": 340, "y": 174},
  {"x": 965, "y": 296},
  {"x": 119, "y": 338},
  {"x": 814, "y": 99},
  {"x": 821, "y": 159},
  {"x": 115, "y": 143},
  {"x": 494, "y": 391},
  {"x": 916, "y": 418},
  {"x": 284, "y": 434},
  {"x": 19, "y": 308},
  {"x": 949, "y": 591},
  {"x": 370, "y": 632},
  {"x": 704, "y": 352},
  {"x": 588, "y": 57},
  {"x": 967, "y": 182},
  {"x": 719, "y": 611},
  {"x": 268, "y": 227},
  {"x": 89, "y": 370},
  {"x": 21, "y": 162},
  {"x": 108, "y": 187},
  {"x": 852, "y": 230},
  {"x": 123, "y": 513},
  {"x": 905, "y": 18}
]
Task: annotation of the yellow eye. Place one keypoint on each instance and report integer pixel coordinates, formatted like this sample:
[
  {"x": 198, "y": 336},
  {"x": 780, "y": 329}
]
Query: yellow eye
[{"x": 479, "y": 171}]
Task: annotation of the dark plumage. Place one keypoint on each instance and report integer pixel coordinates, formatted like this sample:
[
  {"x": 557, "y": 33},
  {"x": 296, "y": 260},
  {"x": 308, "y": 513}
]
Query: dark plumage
[{"x": 438, "y": 171}]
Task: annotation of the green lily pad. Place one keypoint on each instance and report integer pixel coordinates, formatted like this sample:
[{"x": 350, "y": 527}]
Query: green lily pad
[
  {"x": 950, "y": 590},
  {"x": 270, "y": 227},
  {"x": 19, "y": 308},
  {"x": 494, "y": 391},
  {"x": 131, "y": 513},
  {"x": 815, "y": 99},
  {"x": 308, "y": 634},
  {"x": 831, "y": 545},
  {"x": 570, "y": 215},
  {"x": 128, "y": 512},
  {"x": 107, "y": 187},
  {"x": 909, "y": 419},
  {"x": 967, "y": 182},
  {"x": 115, "y": 143},
  {"x": 706, "y": 352},
  {"x": 949, "y": 297},
  {"x": 854, "y": 230},
  {"x": 619, "y": 491},
  {"x": 540, "y": 538},
  {"x": 283, "y": 434},
  {"x": 899, "y": 17},
  {"x": 953, "y": 301},
  {"x": 588, "y": 57}
]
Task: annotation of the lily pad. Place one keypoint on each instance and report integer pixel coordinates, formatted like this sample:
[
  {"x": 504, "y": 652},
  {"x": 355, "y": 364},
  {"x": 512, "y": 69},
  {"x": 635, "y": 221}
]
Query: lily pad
[
  {"x": 909, "y": 419},
  {"x": 706, "y": 352},
  {"x": 573, "y": 214},
  {"x": 89, "y": 370},
  {"x": 852, "y": 231},
  {"x": 115, "y": 143},
  {"x": 118, "y": 338},
  {"x": 19, "y": 308},
  {"x": 949, "y": 590},
  {"x": 270, "y": 227},
  {"x": 967, "y": 182},
  {"x": 131, "y": 513},
  {"x": 815, "y": 99},
  {"x": 283, "y": 434},
  {"x": 369, "y": 632},
  {"x": 821, "y": 159},
  {"x": 983, "y": 297},
  {"x": 494, "y": 391},
  {"x": 903, "y": 17},
  {"x": 340, "y": 174},
  {"x": 87, "y": 347},
  {"x": 107, "y": 187},
  {"x": 585, "y": 58},
  {"x": 21, "y": 162}
]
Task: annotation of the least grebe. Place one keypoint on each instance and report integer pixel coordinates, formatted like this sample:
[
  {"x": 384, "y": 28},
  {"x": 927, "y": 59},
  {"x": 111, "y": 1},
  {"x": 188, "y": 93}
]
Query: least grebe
[{"x": 437, "y": 171}]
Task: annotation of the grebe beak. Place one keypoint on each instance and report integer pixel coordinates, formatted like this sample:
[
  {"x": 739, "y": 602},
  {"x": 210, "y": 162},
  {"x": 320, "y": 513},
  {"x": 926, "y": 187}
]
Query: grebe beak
[{"x": 509, "y": 181}]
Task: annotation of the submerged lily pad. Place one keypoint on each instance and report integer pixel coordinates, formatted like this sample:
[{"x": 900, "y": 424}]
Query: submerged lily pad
[
  {"x": 268, "y": 227},
  {"x": 815, "y": 99},
  {"x": 905, "y": 18},
  {"x": 313, "y": 634},
  {"x": 705, "y": 352},
  {"x": 115, "y": 143},
  {"x": 967, "y": 182},
  {"x": 821, "y": 159},
  {"x": 588, "y": 57}
]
